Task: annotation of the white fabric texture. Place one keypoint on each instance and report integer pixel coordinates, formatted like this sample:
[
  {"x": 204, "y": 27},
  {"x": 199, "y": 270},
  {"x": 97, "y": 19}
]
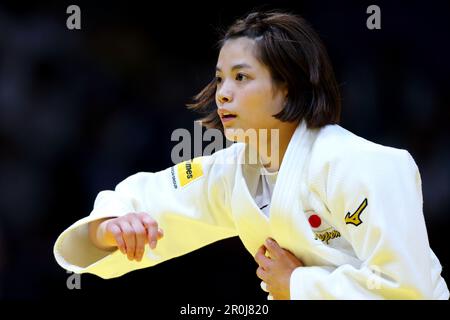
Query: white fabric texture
[{"x": 348, "y": 208}]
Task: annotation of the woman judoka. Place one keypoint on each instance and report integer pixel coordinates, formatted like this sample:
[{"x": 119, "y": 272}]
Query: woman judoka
[{"x": 331, "y": 216}]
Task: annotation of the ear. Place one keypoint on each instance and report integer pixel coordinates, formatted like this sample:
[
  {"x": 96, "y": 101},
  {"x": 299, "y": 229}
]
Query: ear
[{"x": 284, "y": 89}]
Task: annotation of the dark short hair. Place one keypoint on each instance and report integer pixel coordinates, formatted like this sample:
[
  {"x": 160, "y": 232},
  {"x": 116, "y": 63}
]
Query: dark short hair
[{"x": 295, "y": 56}]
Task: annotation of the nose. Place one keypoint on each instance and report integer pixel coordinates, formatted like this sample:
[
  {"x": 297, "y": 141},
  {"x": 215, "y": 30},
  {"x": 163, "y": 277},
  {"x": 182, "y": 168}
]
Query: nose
[
  {"x": 224, "y": 95},
  {"x": 223, "y": 99}
]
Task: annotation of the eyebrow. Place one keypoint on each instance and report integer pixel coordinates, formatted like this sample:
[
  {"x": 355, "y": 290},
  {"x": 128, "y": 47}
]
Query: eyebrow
[{"x": 237, "y": 66}]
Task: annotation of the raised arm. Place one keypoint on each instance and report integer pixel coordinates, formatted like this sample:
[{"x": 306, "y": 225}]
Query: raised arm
[{"x": 189, "y": 202}]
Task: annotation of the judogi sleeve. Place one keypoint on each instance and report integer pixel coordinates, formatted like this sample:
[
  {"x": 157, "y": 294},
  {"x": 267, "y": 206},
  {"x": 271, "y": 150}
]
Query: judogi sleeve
[
  {"x": 190, "y": 202},
  {"x": 377, "y": 200}
]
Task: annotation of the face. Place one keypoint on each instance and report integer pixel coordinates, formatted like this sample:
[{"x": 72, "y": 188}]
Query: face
[{"x": 245, "y": 90}]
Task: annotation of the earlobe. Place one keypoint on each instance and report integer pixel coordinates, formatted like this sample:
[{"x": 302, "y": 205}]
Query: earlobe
[
  {"x": 285, "y": 91},
  {"x": 286, "y": 95}
]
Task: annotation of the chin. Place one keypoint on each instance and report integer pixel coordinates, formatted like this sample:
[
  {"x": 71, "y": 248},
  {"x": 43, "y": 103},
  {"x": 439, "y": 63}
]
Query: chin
[
  {"x": 240, "y": 135},
  {"x": 233, "y": 135}
]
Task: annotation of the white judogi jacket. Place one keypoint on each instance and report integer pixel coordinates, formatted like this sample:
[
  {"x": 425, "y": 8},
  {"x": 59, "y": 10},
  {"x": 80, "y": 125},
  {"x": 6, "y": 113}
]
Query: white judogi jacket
[{"x": 349, "y": 209}]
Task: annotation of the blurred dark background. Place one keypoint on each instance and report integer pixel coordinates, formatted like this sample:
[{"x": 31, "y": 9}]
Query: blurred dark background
[{"x": 81, "y": 110}]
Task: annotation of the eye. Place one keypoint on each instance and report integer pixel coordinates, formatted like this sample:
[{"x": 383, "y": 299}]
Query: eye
[
  {"x": 241, "y": 77},
  {"x": 218, "y": 79}
]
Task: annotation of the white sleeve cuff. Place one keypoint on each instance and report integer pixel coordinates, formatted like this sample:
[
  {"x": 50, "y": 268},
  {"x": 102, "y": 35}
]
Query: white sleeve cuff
[
  {"x": 303, "y": 282},
  {"x": 264, "y": 286}
]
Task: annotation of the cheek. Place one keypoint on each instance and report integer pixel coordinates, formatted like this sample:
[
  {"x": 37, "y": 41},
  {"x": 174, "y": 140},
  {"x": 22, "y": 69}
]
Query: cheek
[
  {"x": 216, "y": 98},
  {"x": 278, "y": 103},
  {"x": 256, "y": 98}
]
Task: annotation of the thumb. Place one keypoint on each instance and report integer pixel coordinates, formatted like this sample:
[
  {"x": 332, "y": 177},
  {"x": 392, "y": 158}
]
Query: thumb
[
  {"x": 273, "y": 247},
  {"x": 160, "y": 233}
]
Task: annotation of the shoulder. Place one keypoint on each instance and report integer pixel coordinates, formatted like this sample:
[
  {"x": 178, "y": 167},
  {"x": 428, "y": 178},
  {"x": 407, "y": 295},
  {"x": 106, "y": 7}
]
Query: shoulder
[
  {"x": 221, "y": 163},
  {"x": 225, "y": 158},
  {"x": 339, "y": 142},
  {"x": 338, "y": 149},
  {"x": 335, "y": 144}
]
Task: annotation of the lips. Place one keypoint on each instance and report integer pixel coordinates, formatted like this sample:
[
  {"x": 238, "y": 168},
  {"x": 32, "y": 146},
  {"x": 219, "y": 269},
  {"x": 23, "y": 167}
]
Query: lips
[
  {"x": 229, "y": 116},
  {"x": 226, "y": 115}
]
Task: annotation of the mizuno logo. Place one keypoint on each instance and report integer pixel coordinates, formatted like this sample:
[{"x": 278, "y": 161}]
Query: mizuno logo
[{"x": 355, "y": 218}]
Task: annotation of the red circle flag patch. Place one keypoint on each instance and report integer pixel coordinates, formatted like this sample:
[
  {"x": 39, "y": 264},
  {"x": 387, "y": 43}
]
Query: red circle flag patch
[{"x": 315, "y": 221}]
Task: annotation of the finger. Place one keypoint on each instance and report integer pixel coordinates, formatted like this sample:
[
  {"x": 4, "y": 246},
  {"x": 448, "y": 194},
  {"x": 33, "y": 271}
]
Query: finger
[
  {"x": 129, "y": 237},
  {"x": 270, "y": 297},
  {"x": 160, "y": 233},
  {"x": 261, "y": 258},
  {"x": 262, "y": 274},
  {"x": 270, "y": 290},
  {"x": 261, "y": 249},
  {"x": 273, "y": 248},
  {"x": 152, "y": 229},
  {"x": 141, "y": 236},
  {"x": 114, "y": 229}
]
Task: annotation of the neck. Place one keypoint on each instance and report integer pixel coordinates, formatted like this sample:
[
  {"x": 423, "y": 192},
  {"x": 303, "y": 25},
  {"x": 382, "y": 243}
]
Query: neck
[{"x": 275, "y": 146}]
